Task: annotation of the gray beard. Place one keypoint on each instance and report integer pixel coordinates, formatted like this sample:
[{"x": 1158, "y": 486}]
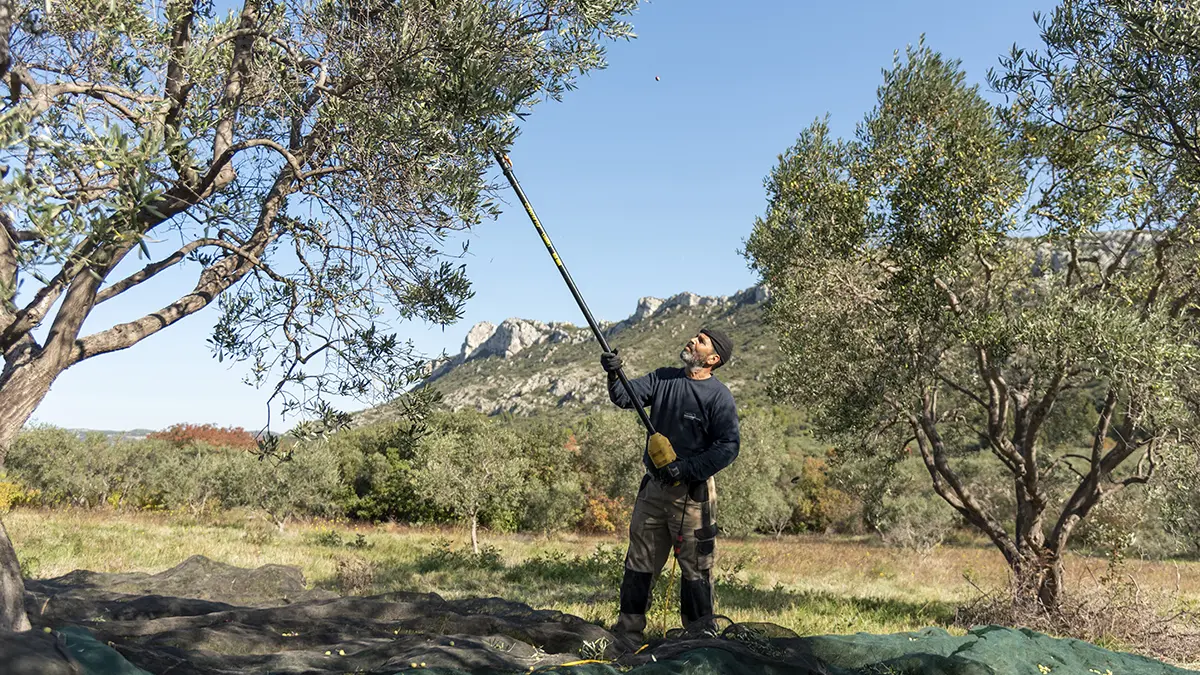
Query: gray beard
[{"x": 689, "y": 360}]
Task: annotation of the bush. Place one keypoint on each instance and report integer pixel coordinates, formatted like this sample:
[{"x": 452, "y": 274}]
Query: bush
[
  {"x": 442, "y": 556},
  {"x": 918, "y": 523},
  {"x": 553, "y": 506},
  {"x": 895, "y": 500},
  {"x": 553, "y": 497},
  {"x": 88, "y": 472},
  {"x": 324, "y": 537},
  {"x": 753, "y": 492},
  {"x": 12, "y": 493},
  {"x": 821, "y": 507},
  {"x": 306, "y": 483},
  {"x": 377, "y": 465},
  {"x": 605, "y": 515},
  {"x": 1177, "y": 495},
  {"x": 1125, "y": 522},
  {"x": 473, "y": 468},
  {"x": 260, "y": 532},
  {"x": 610, "y": 447},
  {"x": 606, "y": 566},
  {"x": 183, "y": 435},
  {"x": 61, "y": 468},
  {"x": 354, "y": 575}
]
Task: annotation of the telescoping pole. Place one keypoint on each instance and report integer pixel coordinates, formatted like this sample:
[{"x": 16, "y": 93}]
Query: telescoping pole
[{"x": 506, "y": 166}]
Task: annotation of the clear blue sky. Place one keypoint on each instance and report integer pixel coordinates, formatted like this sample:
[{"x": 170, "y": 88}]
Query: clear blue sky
[{"x": 647, "y": 187}]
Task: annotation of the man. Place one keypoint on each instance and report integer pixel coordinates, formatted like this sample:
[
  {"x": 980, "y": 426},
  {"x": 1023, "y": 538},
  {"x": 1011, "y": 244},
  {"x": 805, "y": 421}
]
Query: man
[{"x": 675, "y": 504}]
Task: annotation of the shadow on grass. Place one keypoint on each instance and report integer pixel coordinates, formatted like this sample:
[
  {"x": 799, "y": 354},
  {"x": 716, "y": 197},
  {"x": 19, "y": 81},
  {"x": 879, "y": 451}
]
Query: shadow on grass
[
  {"x": 737, "y": 595},
  {"x": 547, "y": 580},
  {"x": 557, "y": 580}
]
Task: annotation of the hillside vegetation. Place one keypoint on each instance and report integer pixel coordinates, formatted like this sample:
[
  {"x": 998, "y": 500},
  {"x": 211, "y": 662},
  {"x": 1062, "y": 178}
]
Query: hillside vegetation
[{"x": 529, "y": 368}]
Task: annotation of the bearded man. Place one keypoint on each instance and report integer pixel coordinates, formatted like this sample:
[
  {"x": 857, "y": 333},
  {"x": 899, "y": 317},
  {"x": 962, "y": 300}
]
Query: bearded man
[{"x": 675, "y": 507}]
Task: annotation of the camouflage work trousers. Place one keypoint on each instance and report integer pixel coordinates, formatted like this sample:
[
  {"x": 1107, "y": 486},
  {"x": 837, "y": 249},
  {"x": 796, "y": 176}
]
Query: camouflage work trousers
[{"x": 665, "y": 518}]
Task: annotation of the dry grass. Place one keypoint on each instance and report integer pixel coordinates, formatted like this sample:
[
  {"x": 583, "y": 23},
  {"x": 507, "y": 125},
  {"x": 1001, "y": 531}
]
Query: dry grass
[
  {"x": 1116, "y": 613},
  {"x": 809, "y": 584}
]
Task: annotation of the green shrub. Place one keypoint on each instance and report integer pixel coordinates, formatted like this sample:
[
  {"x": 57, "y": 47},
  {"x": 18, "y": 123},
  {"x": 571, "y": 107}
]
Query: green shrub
[
  {"x": 821, "y": 507},
  {"x": 377, "y": 465},
  {"x": 90, "y": 471},
  {"x": 306, "y": 483},
  {"x": 1175, "y": 496},
  {"x": 31, "y": 567},
  {"x": 918, "y": 522},
  {"x": 442, "y": 556},
  {"x": 610, "y": 446},
  {"x": 553, "y": 506},
  {"x": 753, "y": 492},
  {"x": 605, "y": 567},
  {"x": 324, "y": 537}
]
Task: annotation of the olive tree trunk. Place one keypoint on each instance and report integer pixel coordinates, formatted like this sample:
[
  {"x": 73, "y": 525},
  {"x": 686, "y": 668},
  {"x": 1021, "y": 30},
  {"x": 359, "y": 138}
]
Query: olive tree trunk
[
  {"x": 21, "y": 389},
  {"x": 475, "y": 533}
]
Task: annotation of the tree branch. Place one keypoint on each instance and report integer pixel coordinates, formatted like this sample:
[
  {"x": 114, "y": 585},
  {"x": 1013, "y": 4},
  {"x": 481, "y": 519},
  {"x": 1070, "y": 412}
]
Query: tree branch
[
  {"x": 122, "y": 336},
  {"x": 291, "y": 159},
  {"x": 212, "y": 282},
  {"x": 997, "y": 410},
  {"x": 1087, "y": 493},
  {"x": 955, "y": 305},
  {"x": 1041, "y": 411},
  {"x": 177, "y": 92},
  {"x": 239, "y": 74},
  {"x": 962, "y": 390},
  {"x": 8, "y": 16},
  {"x": 45, "y": 93},
  {"x": 947, "y": 482},
  {"x": 31, "y": 315},
  {"x": 295, "y": 57},
  {"x": 1145, "y": 469},
  {"x": 154, "y": 268},
  {"x": 1062, "y": 460}
]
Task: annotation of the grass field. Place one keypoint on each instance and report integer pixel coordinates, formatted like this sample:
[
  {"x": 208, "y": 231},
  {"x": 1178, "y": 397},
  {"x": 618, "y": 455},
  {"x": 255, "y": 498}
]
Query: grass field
[{"x": 813, "y": 585}]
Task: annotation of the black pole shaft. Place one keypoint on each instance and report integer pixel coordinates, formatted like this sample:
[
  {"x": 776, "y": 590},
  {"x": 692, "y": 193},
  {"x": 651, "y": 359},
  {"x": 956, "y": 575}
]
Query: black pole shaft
[{"x": 506, "y": 166}]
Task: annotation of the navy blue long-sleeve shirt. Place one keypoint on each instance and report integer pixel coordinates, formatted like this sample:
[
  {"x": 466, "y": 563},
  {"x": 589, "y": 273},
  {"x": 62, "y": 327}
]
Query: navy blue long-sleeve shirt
[{"x": 699, "y": 417}]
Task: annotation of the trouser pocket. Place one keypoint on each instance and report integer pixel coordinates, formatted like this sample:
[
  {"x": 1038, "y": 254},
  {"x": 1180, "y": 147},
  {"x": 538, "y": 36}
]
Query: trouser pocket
[
  {"x": 704, "y": 493},
  {"x": 706, "y": 545}
]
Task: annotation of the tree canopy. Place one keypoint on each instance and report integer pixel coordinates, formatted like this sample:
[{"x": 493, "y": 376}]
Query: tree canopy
[
  {"x": 308, "y": 158},
  {"x": 946, "y": 277}
]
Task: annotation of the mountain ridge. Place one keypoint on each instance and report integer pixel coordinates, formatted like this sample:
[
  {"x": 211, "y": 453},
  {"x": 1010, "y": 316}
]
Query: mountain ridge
[{"x": 526, "y": 367}]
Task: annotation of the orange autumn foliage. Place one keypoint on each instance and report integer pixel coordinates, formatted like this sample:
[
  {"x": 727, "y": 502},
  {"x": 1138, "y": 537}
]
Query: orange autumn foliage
[{"x": 181, "y": 435}]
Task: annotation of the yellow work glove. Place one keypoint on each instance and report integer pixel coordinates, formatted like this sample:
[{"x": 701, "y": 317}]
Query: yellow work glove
[{"x": 661, "y": 452}]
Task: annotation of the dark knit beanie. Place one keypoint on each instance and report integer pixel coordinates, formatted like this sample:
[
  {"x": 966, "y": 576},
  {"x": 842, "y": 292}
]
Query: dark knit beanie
[{"x": 721, "y": 344}]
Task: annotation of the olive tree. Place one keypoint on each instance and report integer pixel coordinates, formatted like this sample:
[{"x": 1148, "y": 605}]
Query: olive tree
[
  {"x": 470, "y": 465},
  {"x": 307, "y": 158},
  {"x": 945, "y": 277},
  {"x": 1130, "y": 68}
]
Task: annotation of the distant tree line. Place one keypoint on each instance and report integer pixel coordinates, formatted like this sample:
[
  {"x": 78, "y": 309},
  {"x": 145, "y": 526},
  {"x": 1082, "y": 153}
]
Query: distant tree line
[{"x": 521, "y": 474}]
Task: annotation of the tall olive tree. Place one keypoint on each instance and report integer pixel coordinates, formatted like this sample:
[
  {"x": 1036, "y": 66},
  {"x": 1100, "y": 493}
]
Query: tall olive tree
[
  {"x": 943, "y": 278},
  {"x": 307, "y": 158}
]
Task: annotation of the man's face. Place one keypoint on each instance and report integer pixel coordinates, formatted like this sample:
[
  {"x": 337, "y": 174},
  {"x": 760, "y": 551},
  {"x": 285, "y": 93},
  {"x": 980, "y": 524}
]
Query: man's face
[{"x": 699, "y": 352}]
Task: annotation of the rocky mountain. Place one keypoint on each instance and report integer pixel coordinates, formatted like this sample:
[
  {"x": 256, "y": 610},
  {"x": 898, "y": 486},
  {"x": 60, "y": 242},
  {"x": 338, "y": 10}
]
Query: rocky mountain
[{"x": 525, "y": 367}]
